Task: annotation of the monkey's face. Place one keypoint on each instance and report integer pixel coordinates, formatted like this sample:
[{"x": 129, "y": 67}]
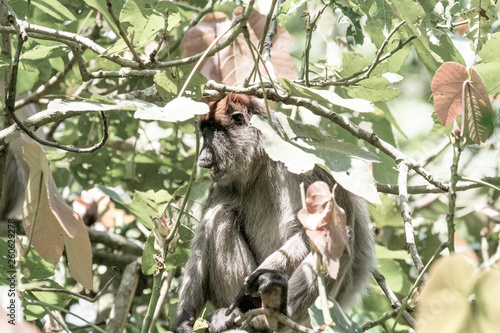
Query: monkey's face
[{"x": 230, "y": 145}]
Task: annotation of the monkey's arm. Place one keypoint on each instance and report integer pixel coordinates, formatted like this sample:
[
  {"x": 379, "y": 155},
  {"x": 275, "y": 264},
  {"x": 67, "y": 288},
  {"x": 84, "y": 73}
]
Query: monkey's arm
[
  {"x": 288, "y": 257},
  {"x": 192, "y": 294}
]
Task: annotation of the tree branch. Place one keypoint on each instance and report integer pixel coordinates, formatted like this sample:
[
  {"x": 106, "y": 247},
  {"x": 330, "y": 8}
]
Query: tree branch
[
  {"x": 405, "y": 213},
  {"x": 324, "y": 112},
  {"x": 246, "y": 317}
]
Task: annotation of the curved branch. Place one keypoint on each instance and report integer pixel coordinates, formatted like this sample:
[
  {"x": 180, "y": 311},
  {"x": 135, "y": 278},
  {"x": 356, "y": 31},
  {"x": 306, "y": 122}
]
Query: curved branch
[{"x": 61, "y": 146}]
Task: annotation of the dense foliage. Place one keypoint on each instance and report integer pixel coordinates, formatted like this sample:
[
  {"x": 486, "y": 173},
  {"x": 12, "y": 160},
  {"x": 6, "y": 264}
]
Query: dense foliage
[{"x": 399, "y": 100}]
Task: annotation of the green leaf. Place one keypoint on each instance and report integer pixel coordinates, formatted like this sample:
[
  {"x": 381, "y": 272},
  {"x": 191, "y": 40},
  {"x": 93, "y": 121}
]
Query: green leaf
[
  {"x": 179, "y": 109},
  {"x": 383, "y": 13},
  {"x": 345, "y": 161},
  {"x": 118, "y": 197},
  {"x": 55, "y": 9},
  {"x": 450, "y": 285},
  {"x": 437, "y": 128},
  {"x": 489, "y": 72},
  {"x": 149, "y": 265},
  {"x": 394, "y": 275},
  {"x": 41, "y": 52},
  {"x": 490, "y": 68},
  {"x": 147, "y": 205},
  {"x": 489, "y": 52},
  {"x": 182, "y": 249},
  {"x": 4, "y": 61},
  {"x": 130, "y": 105},
  {"x": 353, "y": 62},
  {"x": 326, "y": 96},
  {"x": 384, "y": 253},
  {"x": 34, "y": 312},
  {"x": 7, "y": 262},
  {"x": 146, "y": 18},
  {"x": 102, "y": 7},
  {"x": 343, "y": 323},
  {"x": 375, "y": 90},
  {"x": 353, "y": 20},
  {"x": 170, "y": 82},
  {"x": 36, "y": 267},
  {"x": 481, "y": 15}
]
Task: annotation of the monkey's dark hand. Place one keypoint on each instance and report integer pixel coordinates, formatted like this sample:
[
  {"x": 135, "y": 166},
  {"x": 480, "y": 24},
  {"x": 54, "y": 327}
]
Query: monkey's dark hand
[
  {"x": 270, "y": 285},
  {"x": 183, "y": 328}
]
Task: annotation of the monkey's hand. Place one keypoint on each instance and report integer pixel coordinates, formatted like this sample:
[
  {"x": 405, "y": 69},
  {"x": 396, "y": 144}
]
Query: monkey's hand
[{"x": 270, "y": 285}]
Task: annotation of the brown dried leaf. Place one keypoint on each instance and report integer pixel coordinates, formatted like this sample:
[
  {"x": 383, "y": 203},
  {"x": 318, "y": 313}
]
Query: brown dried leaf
[
  {"x": 56, "y": 224},
  {"x": 79, "y": 253},
  {"x": 234, "y": 63},
  {"x": 325, "y": 225},
  {"x": 447, "y": 91},
  {"x": 318, "y": 201}
]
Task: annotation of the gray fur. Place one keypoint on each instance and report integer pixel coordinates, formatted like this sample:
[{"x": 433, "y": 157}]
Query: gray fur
[{"x": 250, "y": 221}]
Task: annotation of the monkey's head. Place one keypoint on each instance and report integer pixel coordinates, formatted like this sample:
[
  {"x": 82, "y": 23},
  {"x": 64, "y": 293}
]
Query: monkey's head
[{"x": 230, "y": 145}]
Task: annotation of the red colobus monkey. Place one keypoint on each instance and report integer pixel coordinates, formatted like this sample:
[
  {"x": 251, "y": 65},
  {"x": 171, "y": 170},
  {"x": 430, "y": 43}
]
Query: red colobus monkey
[{"x": 249, "y": 230}]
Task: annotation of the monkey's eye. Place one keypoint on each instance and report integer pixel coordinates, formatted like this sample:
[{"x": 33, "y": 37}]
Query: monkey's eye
[{"x": 238, "y": 118}]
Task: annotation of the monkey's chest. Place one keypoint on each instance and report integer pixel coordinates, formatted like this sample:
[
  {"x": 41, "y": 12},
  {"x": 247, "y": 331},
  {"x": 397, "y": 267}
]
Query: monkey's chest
[{"x": 262, "y": 237}]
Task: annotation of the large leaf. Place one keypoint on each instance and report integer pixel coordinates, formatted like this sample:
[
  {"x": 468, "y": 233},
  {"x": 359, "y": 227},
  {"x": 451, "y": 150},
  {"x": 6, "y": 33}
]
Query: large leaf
[
  {"x": 445, "y": 304},
  {"x": 234, "y": 63},
  {"x": 55, "y": 224},
  {"x": 481, "y": 14},
  {"x": 478, "y": 108},
  {"x": 179, "y": 109},
  {"x": 55, "y": 9},
  {"x": 446, "y": 88},
  {"x": 345, "y": 161},
  {"x": 104, "y": 105},
  {"x": 490, "y": 67},
  {"x": 325, "y": 224}
]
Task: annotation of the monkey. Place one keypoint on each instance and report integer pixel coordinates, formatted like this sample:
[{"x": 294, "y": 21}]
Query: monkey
[{"x": 249, "y": 235}]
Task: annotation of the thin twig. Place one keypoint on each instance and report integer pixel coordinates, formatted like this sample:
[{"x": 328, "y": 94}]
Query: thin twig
[
  {"x": 86, "y": 298},
  {"x": 425, "y": 189},
  {"x": 58, "y": 308},
  {"x": 405, "y": 213},
  {"x": 354, "y": 78},
  {"x": 310, "y": 27},
  {"x": 263, "y": 38},
  {"x": 123, "y": 34},
  {"x": 421, "y": 277}
]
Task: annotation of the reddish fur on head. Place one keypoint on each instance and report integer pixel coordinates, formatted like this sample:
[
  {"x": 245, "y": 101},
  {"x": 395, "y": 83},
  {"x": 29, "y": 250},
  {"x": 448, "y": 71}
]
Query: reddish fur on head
[{"x": 221, "y": 111}]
